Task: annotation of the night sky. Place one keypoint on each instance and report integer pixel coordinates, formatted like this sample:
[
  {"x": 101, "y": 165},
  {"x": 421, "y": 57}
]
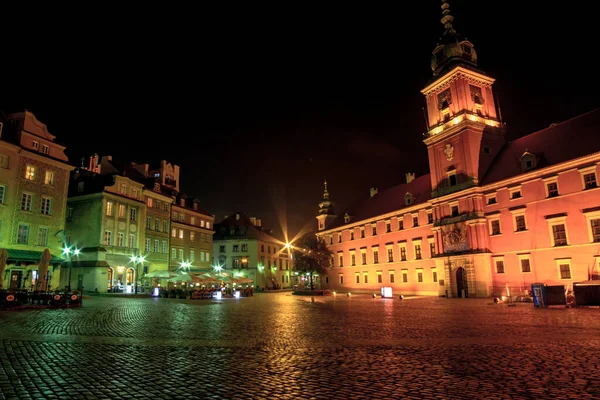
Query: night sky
[{"x": 257, "y": 104}]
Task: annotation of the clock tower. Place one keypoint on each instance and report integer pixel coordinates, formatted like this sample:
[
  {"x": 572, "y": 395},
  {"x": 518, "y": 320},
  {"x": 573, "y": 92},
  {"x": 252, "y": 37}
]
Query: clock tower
[{"x": 464, "y": 130}]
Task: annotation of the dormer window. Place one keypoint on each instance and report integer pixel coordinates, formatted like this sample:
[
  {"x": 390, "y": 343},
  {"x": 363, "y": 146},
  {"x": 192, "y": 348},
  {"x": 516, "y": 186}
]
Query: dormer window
[
  {"x": 466, "y": 49},
  {"x": 346, "y": 218},
  {"x": 157, "y": 187},
  {"x": 408, "y": 199},
  {"x": 182, "y": 202},
  {"x": 36, "y": 145},
  {"x": 528, "y": 161}
]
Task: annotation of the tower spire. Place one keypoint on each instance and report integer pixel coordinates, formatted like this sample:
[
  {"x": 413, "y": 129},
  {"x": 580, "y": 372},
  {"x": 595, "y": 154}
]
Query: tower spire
[
  {"x": 447, "y": 19},
  {"x": 325, "y": 192}
]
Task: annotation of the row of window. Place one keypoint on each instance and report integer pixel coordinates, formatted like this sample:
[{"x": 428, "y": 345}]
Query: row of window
[
  {"x": 134, "y": 191},
  {"x": 388, "y": 227},
  {"x": 27, "y": 202},
  {"x": 262, "y": 249},
  {"x": 159, "y": 226},
  {"x": 181, "y": 216},
  {"x": 109, "y": 240},
  {"x": 419, "y": 277},
  {"x": 557, "y": 225},
  {"x": 153, "y": 203},
  {"x": 36, "y": 146},
  {"x": 563, "y": 266},
  {"x": 588, "y": 181},
  {"x": 178, "y": 254},
  {"x": 122, "y": 211},
  {"x": 205, "y": 238},
  {"x": 417, "y": 253},
  {"x": 23, "y": 232},
  {"x": 31, "y": 175}
]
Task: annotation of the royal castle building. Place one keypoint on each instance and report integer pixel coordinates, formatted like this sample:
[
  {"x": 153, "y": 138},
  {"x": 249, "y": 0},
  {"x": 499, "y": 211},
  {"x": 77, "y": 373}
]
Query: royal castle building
[{"x": 491, "y": 216}]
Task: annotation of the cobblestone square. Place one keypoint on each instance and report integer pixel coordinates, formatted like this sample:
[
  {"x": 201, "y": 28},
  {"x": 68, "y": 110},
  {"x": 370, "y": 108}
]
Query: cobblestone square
[{"x": 279, "y": 346}]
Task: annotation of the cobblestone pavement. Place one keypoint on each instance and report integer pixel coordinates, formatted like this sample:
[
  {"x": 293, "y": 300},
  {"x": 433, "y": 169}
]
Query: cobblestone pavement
[{"x": 279, "y": 346}]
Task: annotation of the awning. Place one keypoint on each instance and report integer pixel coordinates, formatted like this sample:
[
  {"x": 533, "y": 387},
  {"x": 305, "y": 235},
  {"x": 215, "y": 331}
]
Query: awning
[{"x": 29, "y": 256}]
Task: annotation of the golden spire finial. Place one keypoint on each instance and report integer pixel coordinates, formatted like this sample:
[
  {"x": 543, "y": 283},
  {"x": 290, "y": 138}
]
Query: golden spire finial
[{"x": 447, "y": 18}]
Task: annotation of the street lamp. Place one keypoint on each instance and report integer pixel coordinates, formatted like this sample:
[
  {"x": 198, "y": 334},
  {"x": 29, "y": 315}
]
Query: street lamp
[
  {"x": 67, "y": 252},
  {"x": 137, "y": 260}
]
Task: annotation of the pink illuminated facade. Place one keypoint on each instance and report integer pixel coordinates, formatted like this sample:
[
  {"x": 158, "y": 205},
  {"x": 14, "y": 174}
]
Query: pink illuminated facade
[{"x": 491, "y": 216}]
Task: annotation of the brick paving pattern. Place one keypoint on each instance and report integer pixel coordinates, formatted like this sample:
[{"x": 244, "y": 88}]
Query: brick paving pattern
[{"x": 278, "y": 346}]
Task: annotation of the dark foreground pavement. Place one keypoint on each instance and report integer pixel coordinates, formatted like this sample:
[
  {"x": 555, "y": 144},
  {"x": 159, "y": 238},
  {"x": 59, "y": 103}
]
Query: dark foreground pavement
[{"x": 279, "y": 346}]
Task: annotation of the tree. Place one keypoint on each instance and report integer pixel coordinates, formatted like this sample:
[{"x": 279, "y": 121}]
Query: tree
[{"x": 312, "y": 256}]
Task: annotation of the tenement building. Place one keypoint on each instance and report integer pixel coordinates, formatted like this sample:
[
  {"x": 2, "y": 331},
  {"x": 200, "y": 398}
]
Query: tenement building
[
  {"x": 34, "y": 177},
  {"x": 491, "y": 216},
  {"x": 244, "y": 248}
]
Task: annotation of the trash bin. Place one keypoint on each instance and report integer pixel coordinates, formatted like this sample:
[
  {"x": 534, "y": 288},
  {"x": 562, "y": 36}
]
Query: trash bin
[{"x": 587, "y": 293}]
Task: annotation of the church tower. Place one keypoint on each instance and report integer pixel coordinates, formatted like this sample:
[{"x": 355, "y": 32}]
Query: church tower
[
  {"x": 464, "y": 130},
  {"x": 326, "y": 213}
]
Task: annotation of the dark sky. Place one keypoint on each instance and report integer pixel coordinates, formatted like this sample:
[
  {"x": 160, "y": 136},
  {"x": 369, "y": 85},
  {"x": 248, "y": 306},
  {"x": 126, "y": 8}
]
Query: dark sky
[{"x": 257, "y": 104}]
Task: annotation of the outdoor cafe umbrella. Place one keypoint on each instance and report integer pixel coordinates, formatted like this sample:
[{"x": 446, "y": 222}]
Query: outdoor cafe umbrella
[
  {"x": 43, "y": 269},
  {"x": 160, "y": 274},
  {"x": 181, "y": 278},
  {"x": 3, "y": 258}
]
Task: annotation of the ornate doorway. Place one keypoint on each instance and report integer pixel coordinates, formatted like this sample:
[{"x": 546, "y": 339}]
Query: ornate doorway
[{"x": 461, "y": 283}]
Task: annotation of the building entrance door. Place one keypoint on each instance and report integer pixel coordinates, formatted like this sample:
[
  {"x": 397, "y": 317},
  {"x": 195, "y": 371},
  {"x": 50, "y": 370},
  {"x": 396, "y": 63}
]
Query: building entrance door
[
  {"x": 15, "y": 279},
  {"x": 461, "y": 283}
]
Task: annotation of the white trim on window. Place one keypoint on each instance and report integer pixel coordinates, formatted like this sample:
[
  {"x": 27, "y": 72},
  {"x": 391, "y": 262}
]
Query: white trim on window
[
  {"x": 490, "y": 196},
  {"x": 495, "y": 260},
  {"x": 547, "y": 181},
  {"x": 525, "y": 257},
  {"x": 586, "y": 171},
  {"x": 589, "y": 217},
  {"x": 515, "y": 214},
  {"x": 415, "y": 243},
  {"x": 564, "y": 261},
  {"x": 513, "y": 190},
  {"x": 562, "y": 220},
  {"x": 490, "y": 219},
  {"x": 402, "y": 245}
]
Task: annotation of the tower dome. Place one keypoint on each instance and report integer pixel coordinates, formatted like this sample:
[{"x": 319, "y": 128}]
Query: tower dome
[{"x": 451, "y": 50}]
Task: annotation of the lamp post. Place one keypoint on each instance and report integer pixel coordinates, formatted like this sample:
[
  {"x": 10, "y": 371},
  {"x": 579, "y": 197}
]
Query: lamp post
[
  {"x": 67, "y": 252},
  {"x": 137, "y": 260}
]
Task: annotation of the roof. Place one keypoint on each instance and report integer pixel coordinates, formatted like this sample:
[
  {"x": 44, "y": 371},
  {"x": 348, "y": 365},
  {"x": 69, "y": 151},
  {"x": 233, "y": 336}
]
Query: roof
[
  {"x": 243, "y": 229},
  {"x": 29, "y": 255},
  {"x": 387, "y": 201},
  {"x": 568, "y": 140}
]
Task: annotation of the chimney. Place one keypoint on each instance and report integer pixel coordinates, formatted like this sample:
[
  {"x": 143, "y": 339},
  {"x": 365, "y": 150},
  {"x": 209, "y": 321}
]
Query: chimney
[
  {"x": 410, "y": 176},
  {"x": 373, "y": 191}
]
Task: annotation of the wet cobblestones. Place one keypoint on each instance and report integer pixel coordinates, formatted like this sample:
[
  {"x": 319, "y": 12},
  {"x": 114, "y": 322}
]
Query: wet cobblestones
[{"x": 277, "y": 346}]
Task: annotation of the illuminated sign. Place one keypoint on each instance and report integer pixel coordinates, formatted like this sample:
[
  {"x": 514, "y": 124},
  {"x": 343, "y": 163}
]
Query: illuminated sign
[{"x": 386, "y": 291}]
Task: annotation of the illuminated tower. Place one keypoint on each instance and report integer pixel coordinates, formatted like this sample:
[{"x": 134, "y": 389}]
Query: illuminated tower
[
  {"x": 326, "y": 213},
  {"x": 464, "y": 131}
]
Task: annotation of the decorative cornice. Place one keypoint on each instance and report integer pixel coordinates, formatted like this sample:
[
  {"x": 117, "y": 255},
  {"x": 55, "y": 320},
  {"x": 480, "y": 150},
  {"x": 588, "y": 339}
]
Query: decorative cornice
[{"x": 457, "y": 73}]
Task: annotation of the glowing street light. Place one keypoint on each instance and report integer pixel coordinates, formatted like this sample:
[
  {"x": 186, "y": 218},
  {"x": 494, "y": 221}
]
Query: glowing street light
[
  {"x": 67, "y": 251},
  {"x": 137, "y": 260}
]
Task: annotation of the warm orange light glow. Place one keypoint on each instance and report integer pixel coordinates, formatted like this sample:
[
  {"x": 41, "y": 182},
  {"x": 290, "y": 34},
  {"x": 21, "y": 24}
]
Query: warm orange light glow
[
  {"x": 456, "y": 120},
  {"x": 473, "y": 118}
]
